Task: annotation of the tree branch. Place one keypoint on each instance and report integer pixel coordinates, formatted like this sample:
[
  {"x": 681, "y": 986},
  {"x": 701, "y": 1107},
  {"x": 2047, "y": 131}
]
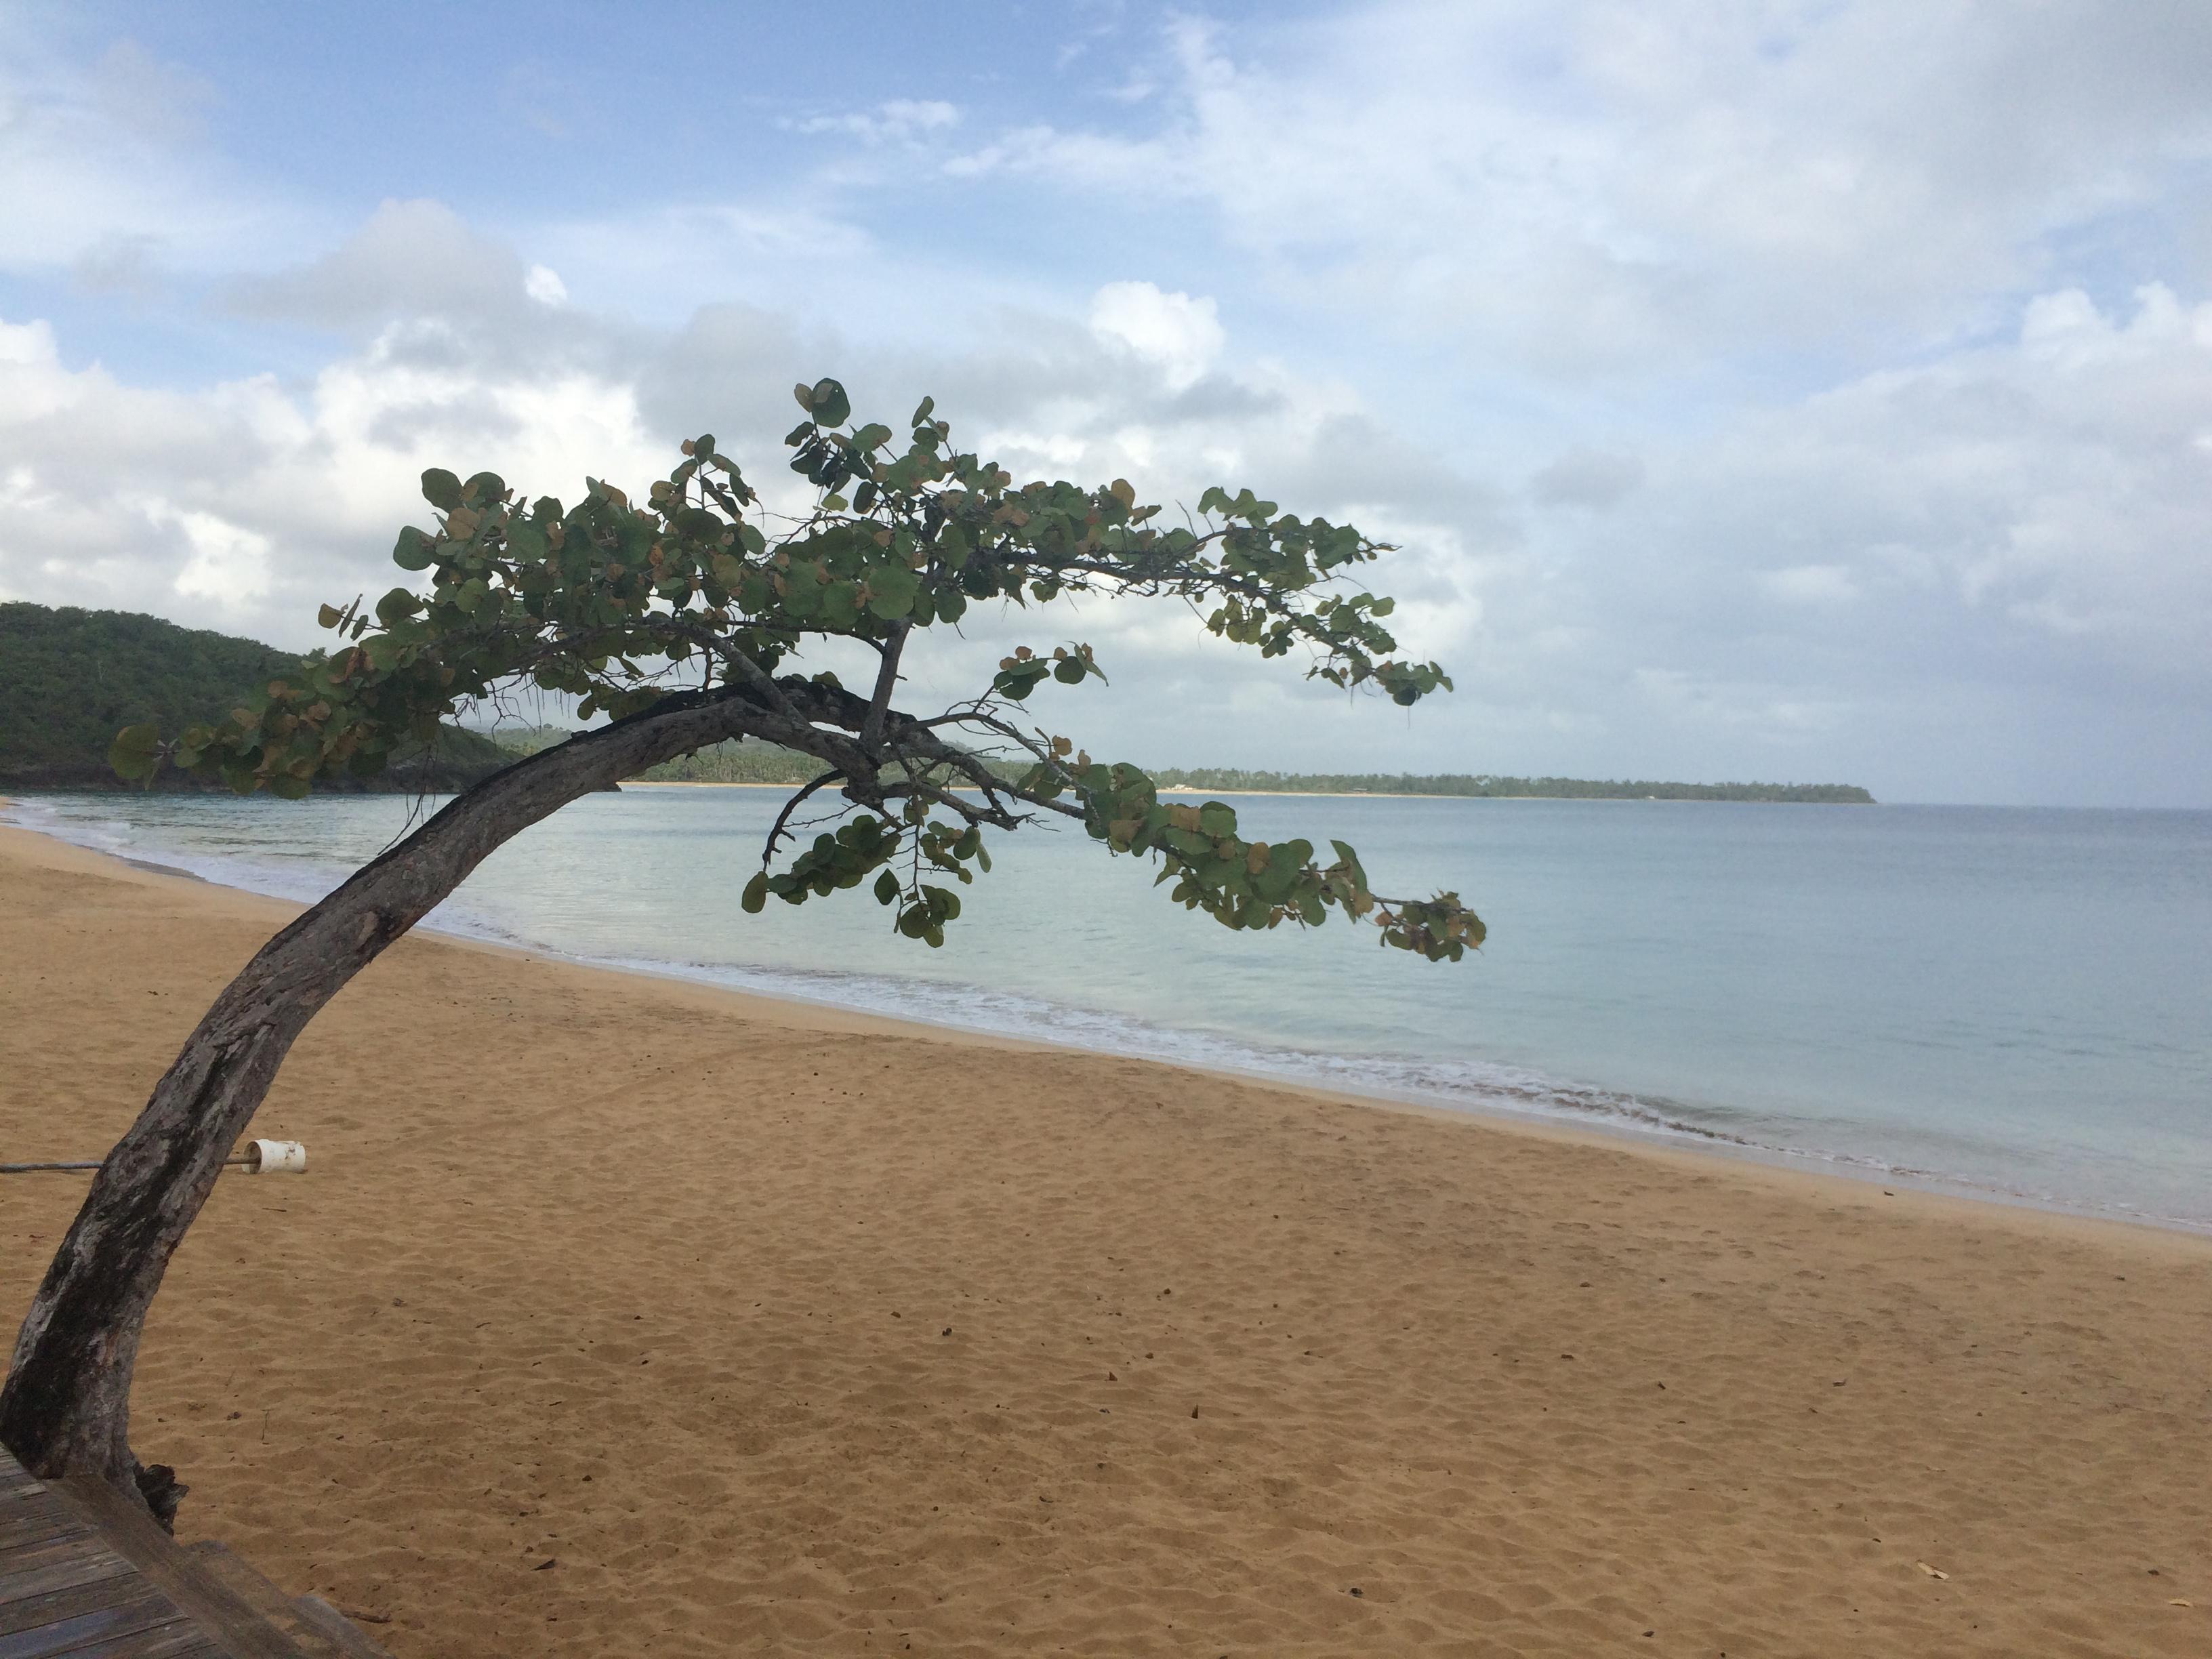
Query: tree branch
[
  {"x": 775, "y": 832},
  {"x": 871, "y": 725}
]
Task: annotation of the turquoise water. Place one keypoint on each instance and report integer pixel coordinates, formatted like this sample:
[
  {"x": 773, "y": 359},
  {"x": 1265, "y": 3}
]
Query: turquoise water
[{"x": 2015, "y": 1001}]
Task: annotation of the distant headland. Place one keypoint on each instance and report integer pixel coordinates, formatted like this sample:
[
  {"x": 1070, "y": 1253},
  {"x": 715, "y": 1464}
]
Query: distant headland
[
  {"x": 763, "y": 763},
  {"x": 1498, "y": 787}
]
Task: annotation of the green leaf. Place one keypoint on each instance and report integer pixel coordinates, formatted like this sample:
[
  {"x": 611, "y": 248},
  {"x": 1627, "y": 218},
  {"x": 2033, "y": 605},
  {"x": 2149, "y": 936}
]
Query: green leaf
[
  {"x": 1350, "y": 860},
  {"x": 484, "y": 488},
  {"x": 526, "y": 541},
  {"x": 922, "y": 411},
  {"x": 802, "y": 597},
  {"x": 412, "y": 552},
  {"x": 330, "y": 616},
  {"x": 887, "y": 889},
  {"x": 893, "y": 587},
  {"x": 441, "y": 489},
  {"x": 755, "y": 898},
  {"x": 136, "y": 752},
  {"x": 828, "y": 403}
]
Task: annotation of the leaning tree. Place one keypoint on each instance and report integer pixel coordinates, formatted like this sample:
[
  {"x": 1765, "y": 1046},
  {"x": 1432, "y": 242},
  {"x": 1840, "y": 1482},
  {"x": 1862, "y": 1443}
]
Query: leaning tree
[{"x": 683, "y": 620}]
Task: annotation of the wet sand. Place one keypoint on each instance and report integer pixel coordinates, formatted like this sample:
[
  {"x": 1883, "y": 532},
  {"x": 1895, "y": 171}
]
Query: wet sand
[{"x": 777, "y": 1330}]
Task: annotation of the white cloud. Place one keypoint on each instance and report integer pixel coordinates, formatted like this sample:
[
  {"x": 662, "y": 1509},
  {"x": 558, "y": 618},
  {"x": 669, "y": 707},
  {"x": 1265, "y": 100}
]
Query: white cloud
[
  {"x": 542, "y": 284},
  {"x": 2052, "y": 483},
  {"x": 1811, "y": 584},
  {"x": 901, "y": 120},
  {"x": 1583, "y": 476},
  {"x": 229, "y": 563},
  {"x": 411, "y": 259},
  {"x": 1607, "y": 186},
  {"x": 242, "y": 506},
  {"x": 1182, "y": 336}
]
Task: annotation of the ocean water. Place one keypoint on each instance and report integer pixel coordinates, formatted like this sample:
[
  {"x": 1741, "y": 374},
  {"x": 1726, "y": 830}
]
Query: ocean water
[{"x": 2014, "y": 1002}]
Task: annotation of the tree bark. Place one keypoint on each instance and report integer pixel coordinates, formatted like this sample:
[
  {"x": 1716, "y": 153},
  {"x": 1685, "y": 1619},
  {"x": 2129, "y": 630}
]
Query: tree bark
[{"x": 66, "y": 1409}]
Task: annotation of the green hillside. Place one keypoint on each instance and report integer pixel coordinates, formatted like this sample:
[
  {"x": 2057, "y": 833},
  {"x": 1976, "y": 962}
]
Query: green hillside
[{"x": 70, "y": 679}]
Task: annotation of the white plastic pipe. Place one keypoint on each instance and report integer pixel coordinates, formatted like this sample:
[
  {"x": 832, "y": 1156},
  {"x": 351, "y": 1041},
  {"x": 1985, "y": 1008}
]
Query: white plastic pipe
[{"x": 275, "y": 1157}]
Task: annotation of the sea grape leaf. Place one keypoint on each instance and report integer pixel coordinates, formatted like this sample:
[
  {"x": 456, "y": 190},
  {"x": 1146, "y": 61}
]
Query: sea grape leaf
[
  {"x": 136, "y": 752},
  {"x": 829, "y": 405}
]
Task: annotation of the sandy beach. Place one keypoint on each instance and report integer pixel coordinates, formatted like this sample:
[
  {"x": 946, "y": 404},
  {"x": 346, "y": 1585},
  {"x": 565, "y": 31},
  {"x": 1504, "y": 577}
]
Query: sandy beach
[{"x": 619, "y": 1315}]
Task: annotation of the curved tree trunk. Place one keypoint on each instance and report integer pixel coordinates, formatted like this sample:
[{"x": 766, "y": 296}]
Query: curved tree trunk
[{"x": 66, "y": 1405}]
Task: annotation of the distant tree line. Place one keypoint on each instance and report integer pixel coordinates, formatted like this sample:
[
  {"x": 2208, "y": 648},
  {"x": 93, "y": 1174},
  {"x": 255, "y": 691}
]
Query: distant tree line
[
  {"x": 765, "y": 763},
  {"x": 1499, "y": 786}
]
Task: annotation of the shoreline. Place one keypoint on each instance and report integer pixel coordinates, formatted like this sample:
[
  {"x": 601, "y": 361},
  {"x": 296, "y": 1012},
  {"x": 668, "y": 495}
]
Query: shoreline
[
  {"x": 1696, "y": 1148},
  {"x": 1300, "y": 794},
  {"x": 622, "y": 1314}
]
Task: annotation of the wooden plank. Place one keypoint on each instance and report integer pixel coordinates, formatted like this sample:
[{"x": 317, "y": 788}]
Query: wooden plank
[
  {"x": 55, "y": 1564},
  {"x": 181, "y": 1639},
  {"x": 63, "y": 1574},
  {"x": 99, "y": 1627},
  {"x": 26, "y": 1524},
  {"x": 76, "y": 1600}
]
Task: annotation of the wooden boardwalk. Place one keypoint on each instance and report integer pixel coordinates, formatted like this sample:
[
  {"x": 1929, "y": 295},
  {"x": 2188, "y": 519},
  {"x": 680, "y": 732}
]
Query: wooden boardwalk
[{"x": 85, "y": 1574}]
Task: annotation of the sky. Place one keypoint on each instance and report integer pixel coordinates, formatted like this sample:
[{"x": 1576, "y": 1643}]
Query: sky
[{"x": 1790, "y": 390}]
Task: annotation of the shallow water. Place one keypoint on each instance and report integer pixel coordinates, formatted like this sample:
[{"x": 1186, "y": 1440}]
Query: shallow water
[{"x": 2017, "y": 1001}]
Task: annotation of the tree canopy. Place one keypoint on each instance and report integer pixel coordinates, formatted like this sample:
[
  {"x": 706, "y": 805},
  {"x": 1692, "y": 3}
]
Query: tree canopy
[{"x": 699, "y": 594}]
